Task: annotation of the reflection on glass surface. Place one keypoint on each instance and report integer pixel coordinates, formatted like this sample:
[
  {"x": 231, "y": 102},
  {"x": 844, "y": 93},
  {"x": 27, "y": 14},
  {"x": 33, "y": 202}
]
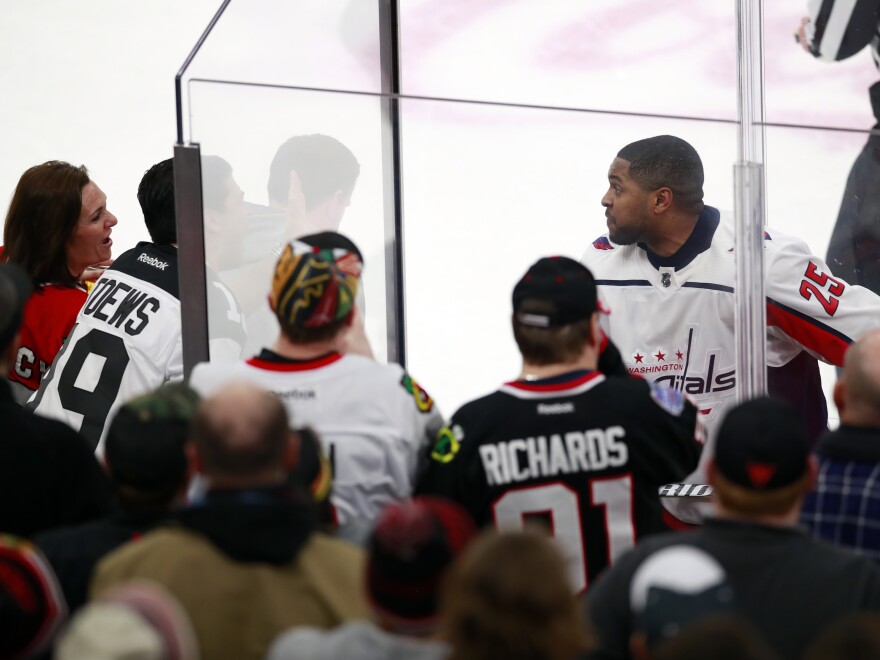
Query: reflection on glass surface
[
  {"x": 488, "y": 189},
  {"x": 312, "y": 163}
]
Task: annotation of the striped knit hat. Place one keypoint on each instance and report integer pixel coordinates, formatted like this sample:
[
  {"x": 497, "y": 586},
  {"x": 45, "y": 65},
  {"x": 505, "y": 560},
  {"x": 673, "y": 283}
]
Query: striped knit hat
[
  {"x": 316, "y": 280},
  {"x": 31, "y": 604}
]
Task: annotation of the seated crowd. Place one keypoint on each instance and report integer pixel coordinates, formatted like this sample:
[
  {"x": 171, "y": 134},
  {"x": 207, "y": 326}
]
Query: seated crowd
[{"x": 312, "y": 503}]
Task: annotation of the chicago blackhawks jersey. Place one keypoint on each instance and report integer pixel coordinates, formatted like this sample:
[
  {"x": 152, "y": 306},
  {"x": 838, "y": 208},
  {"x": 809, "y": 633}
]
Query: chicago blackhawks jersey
[
  {"x": 126, "y": 341},
  {"x": 48, "y": 318},
  {"x": 673, "y": 317},
  {"x": 581, "y": 453},
  {"x": 374, "y": 421}
]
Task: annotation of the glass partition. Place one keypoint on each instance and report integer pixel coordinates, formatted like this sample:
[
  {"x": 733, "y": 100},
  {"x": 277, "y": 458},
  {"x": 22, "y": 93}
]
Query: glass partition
[{"x": 508, "y": 117}]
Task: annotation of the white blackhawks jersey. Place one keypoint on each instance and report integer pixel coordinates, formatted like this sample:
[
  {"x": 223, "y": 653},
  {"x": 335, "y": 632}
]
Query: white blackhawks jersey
[
  {"x": 374, "y": 421},
  {"x": 672, "y": 318},
  {"x": 126, "y": 342}
]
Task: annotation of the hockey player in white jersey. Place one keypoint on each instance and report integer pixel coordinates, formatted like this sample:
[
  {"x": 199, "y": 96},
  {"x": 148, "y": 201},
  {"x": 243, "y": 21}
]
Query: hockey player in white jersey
[
  {"x": 374, "y": 421},
  {"x": 665, "y": 270},
  {"x": 127, "y": 337}
]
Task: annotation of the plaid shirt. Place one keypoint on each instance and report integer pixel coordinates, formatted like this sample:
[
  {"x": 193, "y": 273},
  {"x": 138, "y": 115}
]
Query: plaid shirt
[{"x": 845, "y": 506}]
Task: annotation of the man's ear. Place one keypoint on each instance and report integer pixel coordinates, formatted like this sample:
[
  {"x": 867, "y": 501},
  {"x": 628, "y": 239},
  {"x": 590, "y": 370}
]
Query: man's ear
[
  {"x": 839, "y": 395},
  {"x": 596, "y": 332},
  {"x": 813, "y": 470},
  {"x": 661, "y": 200},
  {"x": 193, "y": 458}
]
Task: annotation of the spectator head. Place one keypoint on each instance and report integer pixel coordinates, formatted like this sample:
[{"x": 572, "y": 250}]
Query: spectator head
[
  {"x": 724, "y": 637},
  {"x": 857, "y": 392},
  {"x": 57, "y": 223},
  {"x": 145, "y": 450},
  {"x": 15, "y": 290},
  {"x": 32, "y": 606},
  {"x": 672, "y": 589},
  {"x": 854, "y": 637},
  {"x": 156, "y": 196},
  {"x": 241, "y": 437},
  {"x": 509, "y": 596},
  {"x": 326, "y": 168},
  {"x": 410, "y": 550},
  {"x": 762, "y": 464},
  {"x": 555, "y": 312},
  {"x": 666, "y": 161},
  {"x": 314, "y": 288},
  {"x": 137, "y": 621}
]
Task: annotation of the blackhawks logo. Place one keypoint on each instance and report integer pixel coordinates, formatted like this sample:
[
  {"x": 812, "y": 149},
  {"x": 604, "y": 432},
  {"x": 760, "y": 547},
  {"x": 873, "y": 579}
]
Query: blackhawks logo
[
  {"x": 446, "y": 447},
  {"x": 423, "y": 400}
]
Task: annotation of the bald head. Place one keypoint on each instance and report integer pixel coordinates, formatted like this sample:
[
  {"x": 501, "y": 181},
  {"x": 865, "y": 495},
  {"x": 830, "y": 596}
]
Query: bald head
[
  {"x": 241, "y": 431},
  {"x": 859, "y": 387}
]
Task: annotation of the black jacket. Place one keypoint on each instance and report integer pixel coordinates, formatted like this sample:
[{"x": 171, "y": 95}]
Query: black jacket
[
  {"x": 784, "y": 583},
  {"x": 48, "y": 474}
]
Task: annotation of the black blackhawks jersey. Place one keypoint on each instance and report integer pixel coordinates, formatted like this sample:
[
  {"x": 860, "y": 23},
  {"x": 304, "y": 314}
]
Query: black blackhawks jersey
[{"x": 582, "y": 453}]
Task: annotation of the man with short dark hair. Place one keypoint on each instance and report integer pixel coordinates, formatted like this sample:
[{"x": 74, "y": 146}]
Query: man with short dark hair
[
  {"x": 562, "y": 444},
  {"x": 844, "y": 507},
  {"x": 48, "y": 475},
  {"x": 127, "y": 340},
  {"x": 783, "y": 582},
  {"x": 666, "y": 270},
  {"x": 374, "y": 421},
  {"x": 245, "y": 561},
  {"x": 146, "y": 462}
]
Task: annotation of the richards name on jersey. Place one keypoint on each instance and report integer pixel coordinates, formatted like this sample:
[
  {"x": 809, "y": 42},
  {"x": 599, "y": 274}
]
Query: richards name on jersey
[
  {"x": 541, "y": 456},
  {"x": 121, "y": 305}
]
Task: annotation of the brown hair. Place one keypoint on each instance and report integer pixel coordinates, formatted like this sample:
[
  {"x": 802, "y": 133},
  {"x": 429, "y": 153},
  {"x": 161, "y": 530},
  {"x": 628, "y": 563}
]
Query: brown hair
[
  {"x": 751, "y": 502},
  {"x": 541, "y": 346},
  {"x": 299, "y": 335},
  {"x": 42, "y": 220},
  {"x": 509, "y": 597}
]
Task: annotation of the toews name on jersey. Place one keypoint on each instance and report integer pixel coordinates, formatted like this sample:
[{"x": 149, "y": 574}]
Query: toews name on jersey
[
  {"x": 542, "y": 456},
  {"x": 121, "y": 305}
]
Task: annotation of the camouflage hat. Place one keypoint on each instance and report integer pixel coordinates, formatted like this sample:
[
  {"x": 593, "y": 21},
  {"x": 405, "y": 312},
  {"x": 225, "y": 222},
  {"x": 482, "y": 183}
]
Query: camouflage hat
[
  {"x": 146, "y": 439},
  {"x": 316, "y": 282}
]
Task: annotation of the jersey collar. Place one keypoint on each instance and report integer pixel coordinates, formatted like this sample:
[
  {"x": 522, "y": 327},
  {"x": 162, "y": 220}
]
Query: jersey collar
[
  {"x": 699, "y": 241},
  {"x": 272, "y": 361},
  {"x": 573, "y": 382}
]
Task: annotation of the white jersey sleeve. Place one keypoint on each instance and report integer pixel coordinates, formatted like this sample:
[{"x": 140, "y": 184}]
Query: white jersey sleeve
[
  {"x": 809, "y": 306},
  {"x": 125, "y": 343}
]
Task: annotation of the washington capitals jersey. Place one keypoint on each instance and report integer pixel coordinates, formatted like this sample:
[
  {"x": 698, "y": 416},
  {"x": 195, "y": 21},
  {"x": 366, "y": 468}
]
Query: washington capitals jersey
[
  {"x": 580, "y": 453},
  {"x": 374, "y": 421},
  {"x": 126, "y": 342},
  {"x": 672, "y": 318}
]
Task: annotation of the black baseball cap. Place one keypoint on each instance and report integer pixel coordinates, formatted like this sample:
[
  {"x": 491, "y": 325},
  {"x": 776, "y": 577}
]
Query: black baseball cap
[
  {"x": 15, "y": 290},
  {"x": 145, "y": 445},
  {"x": 763, "y": 445},
  {"x": 565, "y": 283}
]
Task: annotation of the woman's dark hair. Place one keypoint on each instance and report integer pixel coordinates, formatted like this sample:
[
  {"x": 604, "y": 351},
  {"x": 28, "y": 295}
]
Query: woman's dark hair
[{"x": 42, "y": 220}]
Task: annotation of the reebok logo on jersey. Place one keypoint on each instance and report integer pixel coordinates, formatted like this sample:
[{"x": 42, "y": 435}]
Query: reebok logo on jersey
[
  {"x": 555, "y": 408},
  {"x": 152, "y": 261}
]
